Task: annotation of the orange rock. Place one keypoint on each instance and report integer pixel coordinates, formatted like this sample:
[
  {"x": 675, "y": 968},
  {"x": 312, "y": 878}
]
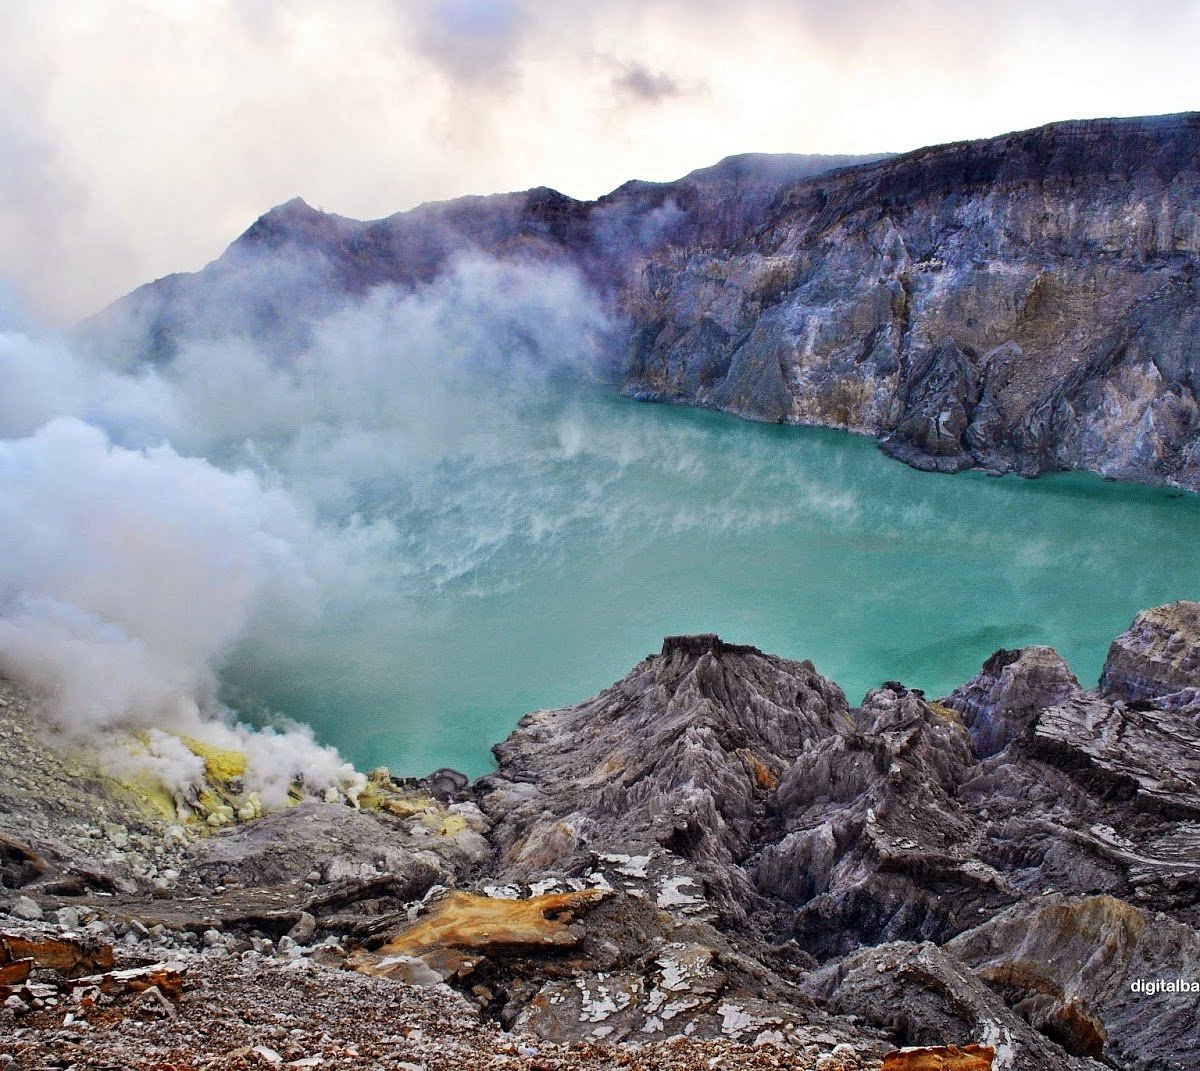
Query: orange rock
[
  {"x": 463, "y": 923},
  {"x": 66, "y": 956},
  {"x": 764, "y": 777},
  {"x": 16, "y": 972},
  {"x": 941, "y": 1058},
  {"x": 1082, "y": 1032}
]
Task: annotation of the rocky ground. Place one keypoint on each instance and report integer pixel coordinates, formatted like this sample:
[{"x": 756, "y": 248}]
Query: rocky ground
[
  {"x": 717, "y": 862},
  {"x": 250, "y": 1010}
]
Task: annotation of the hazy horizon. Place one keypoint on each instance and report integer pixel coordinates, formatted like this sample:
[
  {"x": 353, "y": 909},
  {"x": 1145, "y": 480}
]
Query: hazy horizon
[{"x": 140, "y": 142}]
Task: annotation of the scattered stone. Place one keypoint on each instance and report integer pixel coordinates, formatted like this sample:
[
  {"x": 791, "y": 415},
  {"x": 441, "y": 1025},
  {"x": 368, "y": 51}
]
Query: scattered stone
[
  {"x": 407, "y": 969},
  {"x": 153, "y": 997},
  {"x": 302, "y": 932},
  {"x": 117, "y": 834},
  {"x": 25, "y": 907}
]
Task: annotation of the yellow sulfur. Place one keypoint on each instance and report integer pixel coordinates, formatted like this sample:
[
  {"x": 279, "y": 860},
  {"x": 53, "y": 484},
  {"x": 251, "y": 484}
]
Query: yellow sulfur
[{"x": 220, "y": 764}]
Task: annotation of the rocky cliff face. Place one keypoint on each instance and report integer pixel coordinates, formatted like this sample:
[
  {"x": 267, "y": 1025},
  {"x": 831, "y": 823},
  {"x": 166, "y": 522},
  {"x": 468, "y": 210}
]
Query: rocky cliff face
[
  {"x": 717, "y": 848},
  {"x": 1026, "y": 303}
]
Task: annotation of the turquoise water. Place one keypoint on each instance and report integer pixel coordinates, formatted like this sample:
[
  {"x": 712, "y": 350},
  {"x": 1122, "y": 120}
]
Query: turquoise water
[{"x": 540, "y": 562}]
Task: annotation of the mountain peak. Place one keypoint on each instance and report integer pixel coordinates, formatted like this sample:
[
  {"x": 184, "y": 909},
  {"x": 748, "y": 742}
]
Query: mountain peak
[{"x": 292, "y": 220}]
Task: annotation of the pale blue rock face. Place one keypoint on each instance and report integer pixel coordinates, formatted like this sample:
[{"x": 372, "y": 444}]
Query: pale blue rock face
[{"x": 536, "y": 571}]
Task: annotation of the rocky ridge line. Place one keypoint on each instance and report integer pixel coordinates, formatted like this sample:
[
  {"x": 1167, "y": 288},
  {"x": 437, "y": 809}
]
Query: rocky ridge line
[{"x": 1025, "y": 303}]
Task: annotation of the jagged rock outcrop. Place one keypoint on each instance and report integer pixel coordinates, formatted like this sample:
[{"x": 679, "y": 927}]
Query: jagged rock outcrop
[
  {"x": 1148, "y": 753},
  {"x": 1011, "y": 690},
  {"x": 870, "y": 837},
  {"x": 1157, "y": 655},
  {"x": 717, "y": 846},
  {"x": 925, "y": 996},
  {"x": 1025, "y": 303},
  {"x": 1070, "y": 967},
  {"x": 889, "y": 825},
  {"x": 675, "y": 761}
]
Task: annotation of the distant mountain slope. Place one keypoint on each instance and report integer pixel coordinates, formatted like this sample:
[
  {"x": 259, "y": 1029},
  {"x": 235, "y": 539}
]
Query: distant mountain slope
[
  {"x": 296, "y": 263},
  {"x": 1024, "y": 303}
]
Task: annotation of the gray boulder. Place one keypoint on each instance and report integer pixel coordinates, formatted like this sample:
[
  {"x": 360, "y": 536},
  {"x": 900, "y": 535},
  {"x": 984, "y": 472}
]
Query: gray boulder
[{"x": 1158, "y": 654}]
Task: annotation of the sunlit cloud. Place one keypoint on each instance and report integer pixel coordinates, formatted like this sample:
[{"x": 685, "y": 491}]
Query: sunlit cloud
[{"x": 140, "y": 139}]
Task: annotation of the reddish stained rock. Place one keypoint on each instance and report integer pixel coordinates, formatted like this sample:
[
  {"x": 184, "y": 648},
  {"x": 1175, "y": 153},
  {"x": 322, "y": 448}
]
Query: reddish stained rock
[
  {"x": 941, "y": 1058},
  {"x": 16, "y": 972},
  {"x": 68, "y": 957}
]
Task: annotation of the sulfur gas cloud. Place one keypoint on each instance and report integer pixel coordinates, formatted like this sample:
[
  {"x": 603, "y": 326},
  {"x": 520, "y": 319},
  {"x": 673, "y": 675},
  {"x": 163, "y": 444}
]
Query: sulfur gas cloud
[{"x": 155, "y": 514}]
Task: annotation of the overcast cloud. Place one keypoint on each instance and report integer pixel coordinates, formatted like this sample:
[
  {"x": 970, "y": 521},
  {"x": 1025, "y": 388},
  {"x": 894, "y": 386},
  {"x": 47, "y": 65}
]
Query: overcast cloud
[{"x": 139, "y": 139}]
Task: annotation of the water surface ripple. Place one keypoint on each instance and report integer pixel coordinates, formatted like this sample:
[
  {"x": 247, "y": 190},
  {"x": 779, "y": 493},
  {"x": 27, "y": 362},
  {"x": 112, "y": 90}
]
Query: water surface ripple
[{"x": 539, "y": 563}]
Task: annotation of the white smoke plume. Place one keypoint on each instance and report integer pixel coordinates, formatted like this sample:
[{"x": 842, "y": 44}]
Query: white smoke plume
[
  {"x": 154, "y": 516},
  {"x": 127, "y": 577}
]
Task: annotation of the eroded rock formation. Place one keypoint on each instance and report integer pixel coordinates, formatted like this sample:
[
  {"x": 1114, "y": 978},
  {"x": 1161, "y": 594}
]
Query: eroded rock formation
[
  {"x": 1012, "y": 689},
  {"x": 1026, "y": 303},
  {"x": 1158, "y": 655},
  {"x": 719, "y": 847}
]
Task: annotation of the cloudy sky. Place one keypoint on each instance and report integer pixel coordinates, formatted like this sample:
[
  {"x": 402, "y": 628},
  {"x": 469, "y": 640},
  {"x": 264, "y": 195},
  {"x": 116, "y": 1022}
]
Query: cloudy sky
[{"x": 138, "y": 137}]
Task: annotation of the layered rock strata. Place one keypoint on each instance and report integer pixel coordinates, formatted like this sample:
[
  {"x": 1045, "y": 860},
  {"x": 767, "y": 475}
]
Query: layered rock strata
[
  {"x": 1026, "y": 303},
  {"x": 1158, "y": 656}
]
